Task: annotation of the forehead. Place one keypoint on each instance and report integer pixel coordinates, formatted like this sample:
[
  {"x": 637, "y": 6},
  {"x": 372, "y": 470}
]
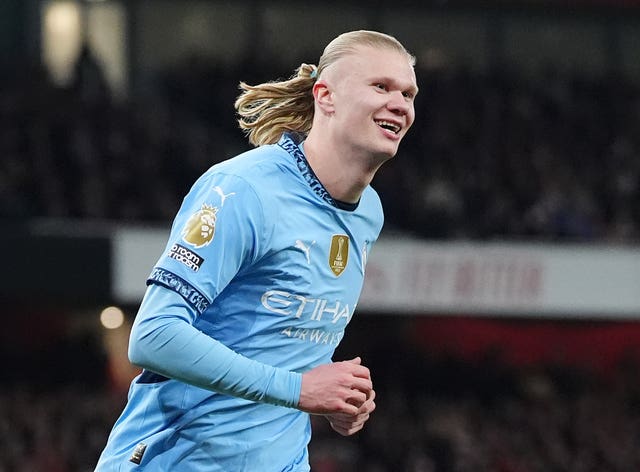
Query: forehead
[{"x": 367, "y": 63}]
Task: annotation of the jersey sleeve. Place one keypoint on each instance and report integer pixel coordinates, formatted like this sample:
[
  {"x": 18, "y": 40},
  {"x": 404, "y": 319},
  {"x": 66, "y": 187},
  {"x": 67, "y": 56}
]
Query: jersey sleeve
[
  {"x": 219, "y": 230},
  {"x": 164, "y": 341}
]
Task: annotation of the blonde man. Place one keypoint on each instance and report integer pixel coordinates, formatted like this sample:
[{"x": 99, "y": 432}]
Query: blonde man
[{"x": 262, "y": 272}]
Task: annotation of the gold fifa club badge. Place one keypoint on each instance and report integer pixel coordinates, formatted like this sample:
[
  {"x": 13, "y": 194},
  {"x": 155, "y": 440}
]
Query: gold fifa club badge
[
  {"x": 200, "y": 227},
  {"x": 339, "y": 253}
]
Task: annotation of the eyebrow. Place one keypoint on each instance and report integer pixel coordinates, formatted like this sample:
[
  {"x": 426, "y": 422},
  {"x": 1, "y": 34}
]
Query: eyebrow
[{"x": 413, "y": 88}]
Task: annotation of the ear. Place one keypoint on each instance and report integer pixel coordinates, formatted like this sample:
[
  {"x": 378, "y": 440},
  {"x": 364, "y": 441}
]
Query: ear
[{"x": 323, "y": 96}]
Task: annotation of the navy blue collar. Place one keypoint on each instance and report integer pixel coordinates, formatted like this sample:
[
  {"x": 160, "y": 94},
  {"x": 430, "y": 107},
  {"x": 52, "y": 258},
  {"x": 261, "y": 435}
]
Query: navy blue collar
[{"x": 291, "y": 142}]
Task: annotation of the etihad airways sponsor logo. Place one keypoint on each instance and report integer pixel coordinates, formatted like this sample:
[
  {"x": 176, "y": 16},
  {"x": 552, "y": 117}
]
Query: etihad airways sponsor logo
[
  {"x": 316, "y": 336},
  {"x": 299, "y": 306}
]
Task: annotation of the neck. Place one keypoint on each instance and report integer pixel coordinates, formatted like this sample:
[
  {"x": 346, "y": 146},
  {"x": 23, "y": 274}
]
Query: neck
[{"x": 344, "y": 174}]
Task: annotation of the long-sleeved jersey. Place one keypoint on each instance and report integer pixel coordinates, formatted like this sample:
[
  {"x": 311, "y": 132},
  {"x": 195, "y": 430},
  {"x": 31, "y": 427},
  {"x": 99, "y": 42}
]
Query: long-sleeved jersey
[{"x": 259, "y": 279}]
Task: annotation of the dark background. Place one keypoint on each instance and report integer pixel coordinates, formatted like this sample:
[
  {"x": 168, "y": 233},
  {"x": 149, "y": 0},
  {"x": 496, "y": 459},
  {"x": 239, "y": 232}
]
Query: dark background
[{"x": 527, "y": 131}]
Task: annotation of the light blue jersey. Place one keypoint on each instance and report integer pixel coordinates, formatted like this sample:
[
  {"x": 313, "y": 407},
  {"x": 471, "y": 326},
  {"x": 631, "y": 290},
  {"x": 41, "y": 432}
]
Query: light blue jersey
[{"x": 268, "y": 268}]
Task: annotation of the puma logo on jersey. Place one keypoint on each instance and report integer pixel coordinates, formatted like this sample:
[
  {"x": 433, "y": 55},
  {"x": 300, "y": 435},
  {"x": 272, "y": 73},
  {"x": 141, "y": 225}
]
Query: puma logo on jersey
[
  {"x": 304, "y": 248},
  {"x": 223, "y": 196}
]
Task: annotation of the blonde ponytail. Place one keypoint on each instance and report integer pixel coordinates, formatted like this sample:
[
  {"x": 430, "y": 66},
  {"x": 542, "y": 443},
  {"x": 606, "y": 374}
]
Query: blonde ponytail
[{"x": 268, "y": 110}]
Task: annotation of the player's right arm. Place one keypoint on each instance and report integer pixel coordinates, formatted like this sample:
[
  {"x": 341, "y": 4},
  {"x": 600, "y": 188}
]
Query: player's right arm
[{"x": 164, "y": 340}]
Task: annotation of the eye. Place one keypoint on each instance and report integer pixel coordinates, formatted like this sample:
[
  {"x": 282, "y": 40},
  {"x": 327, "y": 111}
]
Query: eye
[
  {"x": 381, "y": 86},
  {"x": 408, "y": 95}
]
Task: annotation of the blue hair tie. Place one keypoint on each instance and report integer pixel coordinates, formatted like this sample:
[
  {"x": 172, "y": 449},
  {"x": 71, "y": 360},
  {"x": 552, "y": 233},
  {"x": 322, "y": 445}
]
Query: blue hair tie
[{"x": 314, "y": 73}]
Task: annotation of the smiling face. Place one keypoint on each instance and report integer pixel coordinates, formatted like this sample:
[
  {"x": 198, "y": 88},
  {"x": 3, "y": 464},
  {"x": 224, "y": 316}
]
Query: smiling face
[{"x": 371, "y": 96}]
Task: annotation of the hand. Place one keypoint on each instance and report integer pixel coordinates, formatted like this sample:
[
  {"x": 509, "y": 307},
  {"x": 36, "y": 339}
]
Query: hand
[
  {"x": 346, "y": 424},
  {"x": 339, "y": 387}
]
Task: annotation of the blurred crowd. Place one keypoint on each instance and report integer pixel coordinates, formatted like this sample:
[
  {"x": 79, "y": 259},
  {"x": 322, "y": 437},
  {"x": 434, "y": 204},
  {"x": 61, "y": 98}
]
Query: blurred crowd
[
  {"x": 54, "y": 430},
  {"x": 436, "y": 414},
  {"x": 444, "y": 415},
  {"x": 493, "y": 154}
]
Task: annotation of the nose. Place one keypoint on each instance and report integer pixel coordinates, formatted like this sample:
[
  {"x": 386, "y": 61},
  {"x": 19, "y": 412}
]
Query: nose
[{"x": 399, "y": 104}]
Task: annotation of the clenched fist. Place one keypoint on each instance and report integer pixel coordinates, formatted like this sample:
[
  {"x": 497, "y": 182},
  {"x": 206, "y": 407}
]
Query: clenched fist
[
  {"x": 337, "y": 388},
  {"x": 347, "y": 424}
]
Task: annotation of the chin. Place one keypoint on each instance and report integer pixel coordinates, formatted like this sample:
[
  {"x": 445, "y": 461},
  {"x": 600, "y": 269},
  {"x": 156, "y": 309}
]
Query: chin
[
  {"x": 380, "y": 157},
  {"x": 390, "y": 151}
]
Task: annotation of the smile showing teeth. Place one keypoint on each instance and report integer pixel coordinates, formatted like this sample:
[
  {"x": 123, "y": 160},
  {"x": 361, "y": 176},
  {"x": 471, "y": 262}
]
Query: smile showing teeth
[{"x": 389, "y": 126}]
